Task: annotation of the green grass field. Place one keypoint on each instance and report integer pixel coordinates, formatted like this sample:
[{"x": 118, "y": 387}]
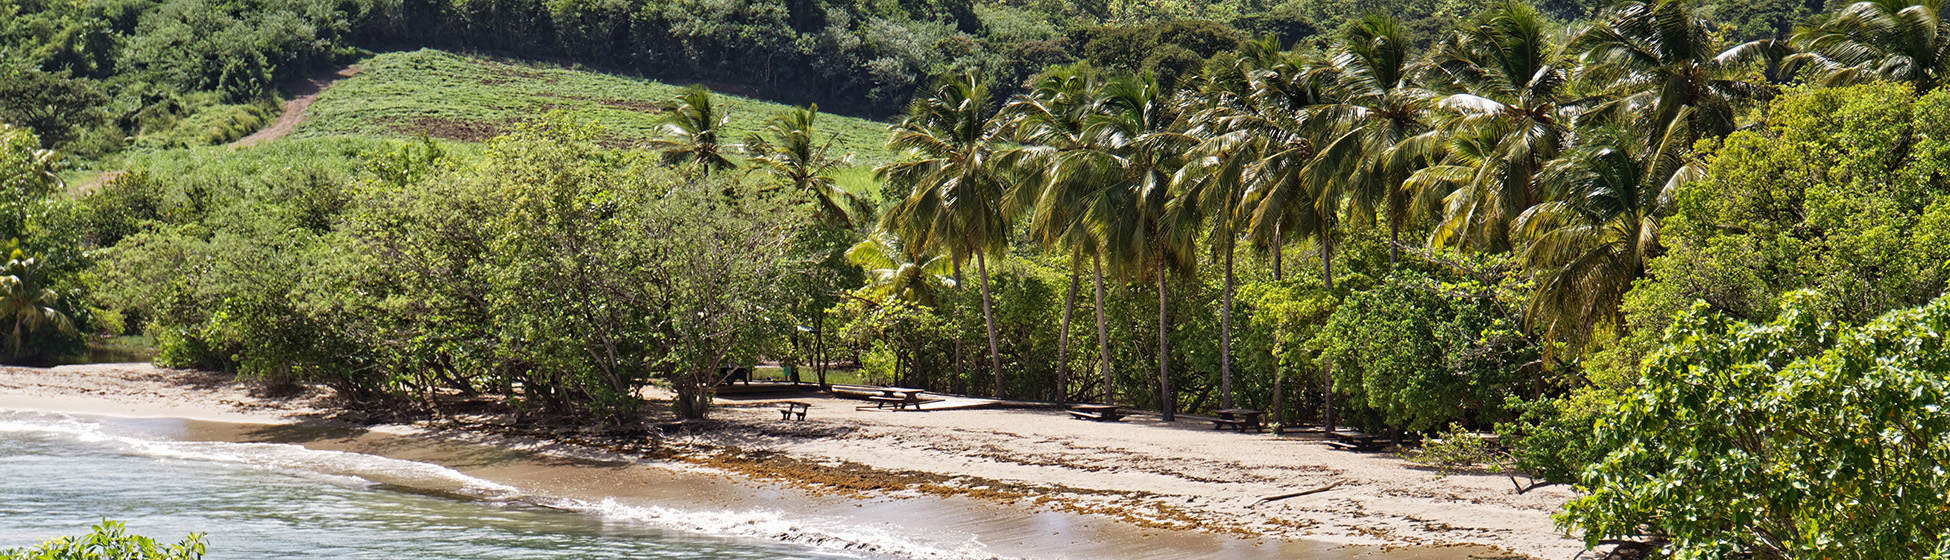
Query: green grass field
[{"x": 457, "y": 97}]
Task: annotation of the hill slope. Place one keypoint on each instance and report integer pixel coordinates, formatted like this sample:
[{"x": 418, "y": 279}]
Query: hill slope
[{"x": 457, "y": 97}]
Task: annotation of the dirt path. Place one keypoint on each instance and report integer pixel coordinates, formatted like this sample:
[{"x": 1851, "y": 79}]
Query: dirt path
[{"x": 294, "y": 110}]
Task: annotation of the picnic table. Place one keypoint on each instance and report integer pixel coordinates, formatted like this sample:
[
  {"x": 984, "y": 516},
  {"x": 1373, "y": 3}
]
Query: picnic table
[
  {"x": 1352, "y": 440},
  {"x": 900, "y": 397},
  {"x": 1241, "y": 419},
  {"x": 1097, "y": 412}
]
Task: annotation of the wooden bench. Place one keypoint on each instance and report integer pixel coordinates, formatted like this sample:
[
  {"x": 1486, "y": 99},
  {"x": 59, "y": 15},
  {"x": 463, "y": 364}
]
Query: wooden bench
[
  {"x": 1356, "y": 441},
  {"x": 793, "y": 408}
]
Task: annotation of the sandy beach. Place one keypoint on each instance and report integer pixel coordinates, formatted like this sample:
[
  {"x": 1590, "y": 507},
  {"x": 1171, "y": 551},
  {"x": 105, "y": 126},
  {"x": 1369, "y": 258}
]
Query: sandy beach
[{"x": 1132, "y": 480}]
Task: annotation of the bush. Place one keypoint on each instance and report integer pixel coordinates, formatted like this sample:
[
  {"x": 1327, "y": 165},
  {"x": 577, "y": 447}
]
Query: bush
[{"x": 109, "y": 540}]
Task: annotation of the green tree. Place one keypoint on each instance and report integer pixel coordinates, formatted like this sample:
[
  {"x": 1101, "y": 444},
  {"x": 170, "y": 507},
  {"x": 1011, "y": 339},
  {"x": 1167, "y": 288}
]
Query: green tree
[
  {"x": 26, "y": 299},
  {"x": 1658, "y": 65},
  {"x": 27, "y": 174},
  {"x": 694, "y": 132},
  {"x": 1796, "y": 438},
  {"x": 792, "y": 153},
  {"x": 957, "y": 183},
  {"x": 1895, "y": 40}
]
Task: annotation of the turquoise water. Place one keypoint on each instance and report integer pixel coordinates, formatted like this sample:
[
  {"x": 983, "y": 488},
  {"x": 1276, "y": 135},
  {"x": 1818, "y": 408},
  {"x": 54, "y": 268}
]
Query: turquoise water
[{"x": 60, "y": 474}]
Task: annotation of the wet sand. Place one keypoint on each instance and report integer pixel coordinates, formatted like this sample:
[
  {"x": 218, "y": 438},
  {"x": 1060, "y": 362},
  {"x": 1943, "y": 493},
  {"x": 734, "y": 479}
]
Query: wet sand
[{"x": 1022, "y": 484}]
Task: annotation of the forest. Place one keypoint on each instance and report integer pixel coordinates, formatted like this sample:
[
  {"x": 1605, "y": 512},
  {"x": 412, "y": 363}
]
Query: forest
[{"x": 1686, "y": 256}]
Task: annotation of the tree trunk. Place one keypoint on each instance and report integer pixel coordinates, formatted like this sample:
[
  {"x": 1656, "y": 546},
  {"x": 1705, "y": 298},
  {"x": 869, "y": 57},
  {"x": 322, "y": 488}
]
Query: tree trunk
[
  {"x": 1278, "y": 247},
  {"x": 1063, "y": 338},
  {"x": 1327, "y": 259},
  {"x": 961, "y": 360},
  {"x": 1279, "y": 399},
  {"x": 1225, "y": 334},
  {"x": 1103, "y": 336},
  {"x": 1394, "y": 241},
  {"x": 1327, "y": 400},
  {"x": 1165, "y": 404},
  {"x": 988, "y": 316}
]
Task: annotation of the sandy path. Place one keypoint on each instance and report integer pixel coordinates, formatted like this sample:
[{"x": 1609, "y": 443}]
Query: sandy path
[
  {"x": 1176, "y": 476},
  {"x": 294, "y": 110}
]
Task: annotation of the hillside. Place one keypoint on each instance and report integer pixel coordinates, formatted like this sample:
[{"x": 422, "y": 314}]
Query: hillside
[{"x": 457, "y": 97}]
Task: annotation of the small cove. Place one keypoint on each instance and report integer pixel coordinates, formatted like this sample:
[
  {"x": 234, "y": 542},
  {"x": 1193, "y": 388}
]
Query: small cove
[{"x": 306, "y": 491}]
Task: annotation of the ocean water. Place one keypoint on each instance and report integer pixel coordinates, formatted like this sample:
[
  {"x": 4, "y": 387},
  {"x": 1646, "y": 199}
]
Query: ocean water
[{"x": 265, "y": 501}]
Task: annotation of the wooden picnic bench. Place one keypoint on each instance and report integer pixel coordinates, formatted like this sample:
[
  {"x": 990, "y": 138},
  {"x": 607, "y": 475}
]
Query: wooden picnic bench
[
  {"x": 900, "y": 397},
  {"x": 793, "y": 408},
  {"x": 1356, "y": 441},
  {"x": 1240, "y": 419},
  {"x": 1097, "y": 412}
]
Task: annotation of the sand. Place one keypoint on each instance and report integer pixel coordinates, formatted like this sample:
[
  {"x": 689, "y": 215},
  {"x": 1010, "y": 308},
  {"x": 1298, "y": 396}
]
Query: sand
[{"x": 1143, "y": 475}]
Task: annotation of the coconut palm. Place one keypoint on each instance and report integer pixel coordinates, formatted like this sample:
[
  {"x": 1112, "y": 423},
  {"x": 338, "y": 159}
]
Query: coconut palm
[
  {"x": 1130, "y": 158},
  {"x": 1505, "y": 121},
  {"x": 1590, "y": 242},
  {"x": 901, "y": 269},
  {"x": 791, "y": 151},
  {"x": 1050, "y": 120},
  {"x": 693, "y": 132},
  {"x": 1895, "y": 40},
  {"x": 29, "y": 303},
  {"x": 957, "y": 183},
  {"x": 1656, "y": 62},
  {"x": 1378, "y": 107}
]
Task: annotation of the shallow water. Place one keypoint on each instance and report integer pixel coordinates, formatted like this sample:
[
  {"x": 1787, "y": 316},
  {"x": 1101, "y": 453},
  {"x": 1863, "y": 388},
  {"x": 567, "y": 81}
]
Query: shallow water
[
  {"x": 274, "y": 501},
  {"x": 305, "y": 491}
]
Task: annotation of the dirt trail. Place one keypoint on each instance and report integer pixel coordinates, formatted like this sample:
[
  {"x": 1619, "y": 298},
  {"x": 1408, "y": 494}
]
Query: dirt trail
[{"x": 294, "y": 110}]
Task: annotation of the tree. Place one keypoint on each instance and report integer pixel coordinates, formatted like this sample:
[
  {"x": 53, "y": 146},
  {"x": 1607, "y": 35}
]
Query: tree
[
  {"x": 957, "y": 183},
  {"x": 694, "y": 132},
  {"x": 26, "y": 299},
  {"x": 1051, "y": 119},
  {"x": 1590, "y": 242},
  {"x": 1895, "y": 40},
  {"x": 1505, "y": 121},
  {"x": 27, "y": 174},
  {"x": 1657, "y": 63},
  {"x": 1796, "y": 438},
  {"x": 794, "y": 155},
  {"x": 1378, "y": 107},
  {"x": 1132, "y": 155}
]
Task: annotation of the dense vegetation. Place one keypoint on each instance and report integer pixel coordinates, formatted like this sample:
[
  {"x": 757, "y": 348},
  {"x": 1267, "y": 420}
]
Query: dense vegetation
[
  {"x": 1680, "y": 256},
  {"x": 110, "y": 539}
]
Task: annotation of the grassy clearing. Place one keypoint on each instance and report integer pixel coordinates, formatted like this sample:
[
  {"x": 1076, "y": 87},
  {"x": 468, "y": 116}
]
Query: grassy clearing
[{"x": 456, "y": 97}]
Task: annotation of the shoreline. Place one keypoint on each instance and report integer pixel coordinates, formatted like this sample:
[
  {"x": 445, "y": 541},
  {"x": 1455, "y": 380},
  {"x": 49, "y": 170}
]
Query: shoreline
[{"x": 1005, "y": 475}]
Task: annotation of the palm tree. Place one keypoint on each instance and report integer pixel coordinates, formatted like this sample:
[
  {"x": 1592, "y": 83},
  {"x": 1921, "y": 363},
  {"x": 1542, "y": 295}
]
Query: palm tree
[
  {"x": 1656, "y": 62},
  {"x": 1050, "y": 120},
  {"x": 1591, "y": 241},
  {"x": 900, "y": 269},
  {"x": 1505, "y": 122},
  {"x": 25, "y": 300},
  {"x": 957, "y": 183},
  {"x": 791, "y": 151},
  {"x": 1895, "y": 40},
  {"x": 693, "y": 132},
  {"x": 1130, "y": 158},
  {"x": 1379, "y": 107}
]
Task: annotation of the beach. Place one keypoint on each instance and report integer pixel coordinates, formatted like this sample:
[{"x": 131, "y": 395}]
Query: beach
[{"x": 1136, "y": 488}]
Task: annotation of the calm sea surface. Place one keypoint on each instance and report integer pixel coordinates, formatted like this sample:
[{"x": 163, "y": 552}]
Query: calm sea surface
[{"x": 256, "y": 501}]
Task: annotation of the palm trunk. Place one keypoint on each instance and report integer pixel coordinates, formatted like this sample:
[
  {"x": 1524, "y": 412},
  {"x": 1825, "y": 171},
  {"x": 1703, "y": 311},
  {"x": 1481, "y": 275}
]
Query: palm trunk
[
  {"x": 1225, "y": 334},
  {"x": 988, "y": 316},
  {"x": 1278, "y": 247},
  {"x": 1327, "y": 400},
  {"x": 1103, "y": 336},
  {"x": 1327, "y": 259},
  {"x": 1279, "y": 400},
  {"x": 1394, "y": 241},
  {"x": 1165, "y": 404},
  {"x": 1063, "y": 338},
  {"x": 961, "y": 359}
]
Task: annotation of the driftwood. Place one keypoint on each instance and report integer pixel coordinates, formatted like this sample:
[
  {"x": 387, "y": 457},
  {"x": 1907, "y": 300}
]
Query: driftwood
[{"x": 1278, "y": 497}]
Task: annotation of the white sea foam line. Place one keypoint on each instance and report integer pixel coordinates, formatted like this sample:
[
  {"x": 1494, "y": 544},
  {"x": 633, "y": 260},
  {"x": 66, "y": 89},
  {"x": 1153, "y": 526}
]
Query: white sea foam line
[
  {"x": 773, "y": 525},
  {"x": 769, "y": 525},
  {"x": 289, "y": 457}
]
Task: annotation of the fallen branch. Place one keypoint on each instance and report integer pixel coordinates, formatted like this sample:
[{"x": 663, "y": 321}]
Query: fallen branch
[{"x": 1278, "y": 497}]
